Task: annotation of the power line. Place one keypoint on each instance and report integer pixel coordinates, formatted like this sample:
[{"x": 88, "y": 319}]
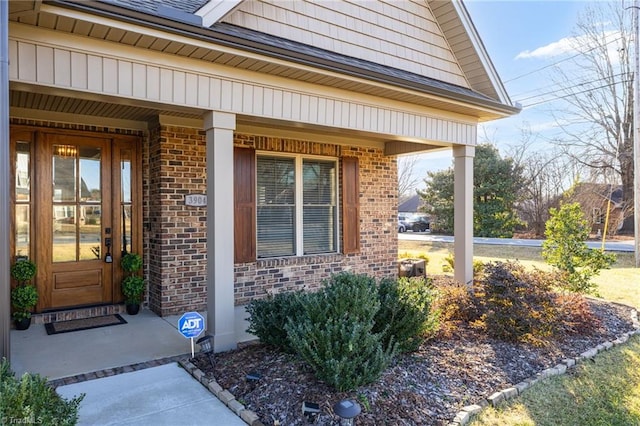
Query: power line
[
  {"x": 522, "y": 100},
  {"x": 560, "y": 61},
  {"x": 568, "y": 95}
]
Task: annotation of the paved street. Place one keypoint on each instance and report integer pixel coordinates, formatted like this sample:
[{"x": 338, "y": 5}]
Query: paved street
[{"x": 624, "y": 246}]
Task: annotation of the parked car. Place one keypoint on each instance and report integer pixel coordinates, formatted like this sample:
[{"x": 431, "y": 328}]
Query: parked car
[
  {"x": 419, "y": 224},
  {"x": 402, "y": 227}
]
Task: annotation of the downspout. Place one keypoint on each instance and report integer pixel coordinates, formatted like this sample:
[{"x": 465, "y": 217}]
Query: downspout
[{"x": 5, "y": 286}]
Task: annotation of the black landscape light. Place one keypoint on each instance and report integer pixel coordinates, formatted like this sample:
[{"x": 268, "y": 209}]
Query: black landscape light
[
  {"x": 310, "y": 411},
  {"x": 347, "y": 410},
  {"x": 206, "y": 347},
  {"x": 253, "y": 377}
]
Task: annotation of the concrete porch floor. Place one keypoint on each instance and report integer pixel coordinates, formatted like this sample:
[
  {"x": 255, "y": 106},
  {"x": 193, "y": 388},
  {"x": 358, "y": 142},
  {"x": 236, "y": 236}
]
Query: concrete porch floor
[{"x": 145, "y": 337}]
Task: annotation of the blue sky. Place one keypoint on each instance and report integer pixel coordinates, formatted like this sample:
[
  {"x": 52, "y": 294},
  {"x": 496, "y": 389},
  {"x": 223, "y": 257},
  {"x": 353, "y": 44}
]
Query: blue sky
[{"x": 523, "y": 38}]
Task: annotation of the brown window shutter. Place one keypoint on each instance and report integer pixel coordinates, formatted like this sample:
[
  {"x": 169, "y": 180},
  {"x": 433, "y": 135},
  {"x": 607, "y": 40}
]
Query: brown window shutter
[
  {"x": 244, "y": 175},
  {"x": 350, "y": 205}
]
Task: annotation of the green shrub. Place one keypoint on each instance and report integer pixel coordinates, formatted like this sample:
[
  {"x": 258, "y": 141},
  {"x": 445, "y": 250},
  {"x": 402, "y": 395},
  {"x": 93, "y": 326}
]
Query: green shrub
[
  {"x": 335, "y": 333},
  {"x": 29, "y": 400},
  {"x": 24, "y": 298},
  {"x": 268, "y": 317},
  {"x": 23, "y": 270},
  {"x": 565, "y": 248},
  {"x": 405, "y": 316}
]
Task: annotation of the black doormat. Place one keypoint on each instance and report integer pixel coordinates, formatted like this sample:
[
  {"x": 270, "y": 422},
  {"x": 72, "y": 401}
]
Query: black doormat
[{"x": 83, "y": 324}]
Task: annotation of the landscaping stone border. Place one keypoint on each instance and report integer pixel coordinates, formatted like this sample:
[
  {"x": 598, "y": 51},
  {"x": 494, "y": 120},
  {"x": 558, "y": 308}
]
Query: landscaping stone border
[
  {"x": 467, "y": 413},
  {"x": 226, "y": 397}
]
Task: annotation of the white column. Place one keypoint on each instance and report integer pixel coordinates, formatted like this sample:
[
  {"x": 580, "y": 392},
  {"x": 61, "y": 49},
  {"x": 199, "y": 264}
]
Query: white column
[
  {"x": 463, "y": 213},
  {"x": 6, "y": 186},
  {"x": 220, "y": 271}
]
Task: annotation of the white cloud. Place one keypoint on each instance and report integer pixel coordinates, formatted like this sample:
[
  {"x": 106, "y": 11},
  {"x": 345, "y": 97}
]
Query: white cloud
[{"x": 556, "y": 48}]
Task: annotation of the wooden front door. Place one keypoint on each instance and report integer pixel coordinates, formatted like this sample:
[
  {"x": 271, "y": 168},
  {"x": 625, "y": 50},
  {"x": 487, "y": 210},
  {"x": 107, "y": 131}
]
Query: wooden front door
[
  {"x": 80, "y": 213},
  {"x": 76, "y": 251}
]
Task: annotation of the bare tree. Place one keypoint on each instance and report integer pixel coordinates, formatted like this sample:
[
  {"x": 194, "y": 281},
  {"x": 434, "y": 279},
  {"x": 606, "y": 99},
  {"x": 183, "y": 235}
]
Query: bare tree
[
  {"x": 597, "y": 85},
  {"x": 407, "y": 180},
  {"x": 546, "y": 174}
]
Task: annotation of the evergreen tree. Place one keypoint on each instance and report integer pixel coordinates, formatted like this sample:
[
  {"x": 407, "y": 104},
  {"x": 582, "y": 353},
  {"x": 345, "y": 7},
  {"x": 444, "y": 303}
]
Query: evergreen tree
[{"x": 496, "y": 183}]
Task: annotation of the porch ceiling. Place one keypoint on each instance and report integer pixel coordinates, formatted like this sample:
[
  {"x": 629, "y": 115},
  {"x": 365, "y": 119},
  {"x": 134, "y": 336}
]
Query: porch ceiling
[
  {"x": 87, "y": 107},
  {"x": 192, "y": 46}
]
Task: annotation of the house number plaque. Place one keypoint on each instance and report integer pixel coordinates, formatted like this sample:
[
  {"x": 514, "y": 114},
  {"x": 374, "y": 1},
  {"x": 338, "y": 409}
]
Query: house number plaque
[{"x": 195, "y": 200}]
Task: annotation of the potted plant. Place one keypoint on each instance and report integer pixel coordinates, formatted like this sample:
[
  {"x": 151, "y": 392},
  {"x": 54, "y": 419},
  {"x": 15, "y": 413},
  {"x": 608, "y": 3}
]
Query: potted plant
[
  {"x": 133, "y": 284},
  {"x": 24, "y": 296}
]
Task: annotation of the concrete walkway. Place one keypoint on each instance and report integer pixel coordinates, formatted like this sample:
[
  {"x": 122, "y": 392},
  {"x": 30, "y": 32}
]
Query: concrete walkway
[
  {"x": 163, "y": 395},
  {"x": 129, "y": 372}
]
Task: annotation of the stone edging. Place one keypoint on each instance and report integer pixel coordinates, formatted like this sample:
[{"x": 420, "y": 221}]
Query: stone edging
[
  {"x": 226, "y": 397},
  {"x": 465, "y": 415}
]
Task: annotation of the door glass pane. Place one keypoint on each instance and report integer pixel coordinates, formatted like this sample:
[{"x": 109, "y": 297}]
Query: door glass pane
[
  {"x": 90, "y": 174},
  {"x": 90, "y": 232},
  {"x": 22, "y": 230},
  {"x": 77, "y": 210},
  {"x": 125, "y": 203},
  {"x": 23, "y": 180},
  {"x": 64, "y": 173},
  {"x": 22, "y": 200},
  {"x": 64, "y": 233}
]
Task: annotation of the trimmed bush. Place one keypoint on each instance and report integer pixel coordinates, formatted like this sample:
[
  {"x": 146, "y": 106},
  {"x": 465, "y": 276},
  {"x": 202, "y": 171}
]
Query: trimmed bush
[
  {"x": 455, "y": 303},
  {"x": 268, "y": 317},
  {"x": 335, "y": 333},
  {"x": 29, "y": 400},
  {"x": 405, "y": 317},
  {"x": 515, "y": 308}
]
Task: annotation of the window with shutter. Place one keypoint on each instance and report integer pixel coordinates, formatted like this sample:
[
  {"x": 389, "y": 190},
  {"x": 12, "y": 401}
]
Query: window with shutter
[{"x": 296, "y": 205}]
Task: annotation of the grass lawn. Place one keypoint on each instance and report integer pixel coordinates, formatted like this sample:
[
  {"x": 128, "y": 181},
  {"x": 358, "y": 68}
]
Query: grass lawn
[{"x": 603, "y": 392}]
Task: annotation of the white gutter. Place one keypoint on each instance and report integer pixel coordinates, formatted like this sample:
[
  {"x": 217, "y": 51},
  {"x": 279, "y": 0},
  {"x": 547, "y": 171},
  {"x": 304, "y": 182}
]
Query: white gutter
[{"x": 5, "y": 206}]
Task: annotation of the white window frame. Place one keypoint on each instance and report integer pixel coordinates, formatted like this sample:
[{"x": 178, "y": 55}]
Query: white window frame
[{"x": 299, "y": 235}]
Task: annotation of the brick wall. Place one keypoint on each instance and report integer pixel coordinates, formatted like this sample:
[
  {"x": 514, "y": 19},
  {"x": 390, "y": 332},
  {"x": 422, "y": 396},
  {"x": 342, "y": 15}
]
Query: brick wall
[{"x": 176, "y": 233}]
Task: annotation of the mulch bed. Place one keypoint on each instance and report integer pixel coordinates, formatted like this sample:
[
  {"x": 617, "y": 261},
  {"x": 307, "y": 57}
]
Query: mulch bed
[{"x": 427, "y": 387}]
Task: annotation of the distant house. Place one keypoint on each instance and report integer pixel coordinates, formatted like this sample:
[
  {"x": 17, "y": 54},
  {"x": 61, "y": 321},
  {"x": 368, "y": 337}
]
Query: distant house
[
  {"x": 596, "y": 200},
  {"x": 411, "y": 205}
]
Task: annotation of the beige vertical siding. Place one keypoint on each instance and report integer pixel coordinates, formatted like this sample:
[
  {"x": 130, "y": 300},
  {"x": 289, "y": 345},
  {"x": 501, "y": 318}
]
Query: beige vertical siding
[
  {"x": 399, "y": 33},
  {"x": 132, "y": 76}
]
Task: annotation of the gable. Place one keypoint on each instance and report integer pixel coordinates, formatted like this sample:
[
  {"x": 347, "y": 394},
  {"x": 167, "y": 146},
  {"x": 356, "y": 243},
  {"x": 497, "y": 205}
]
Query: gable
[{"x": 403, "y": 34}]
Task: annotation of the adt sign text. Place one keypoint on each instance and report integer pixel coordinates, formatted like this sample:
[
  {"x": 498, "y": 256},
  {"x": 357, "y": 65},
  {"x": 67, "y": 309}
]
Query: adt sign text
[{"x": 191, "y": 324}]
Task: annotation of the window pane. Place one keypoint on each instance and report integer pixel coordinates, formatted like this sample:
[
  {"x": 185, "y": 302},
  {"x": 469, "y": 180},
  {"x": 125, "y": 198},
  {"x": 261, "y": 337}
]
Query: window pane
[
  {"x": 64, "y": 233},
  {"x": 90, "y": 174},
  {"x": 23, "y": 233},
  {"x": 276, "y": 206},
  {"x": 64, "y": 173},
  {"x": 22, "y": 200},
  {"x": 23, "y": 181},
  {"x": 126, "y": 197},
  {"x": 319, "y": 206}
]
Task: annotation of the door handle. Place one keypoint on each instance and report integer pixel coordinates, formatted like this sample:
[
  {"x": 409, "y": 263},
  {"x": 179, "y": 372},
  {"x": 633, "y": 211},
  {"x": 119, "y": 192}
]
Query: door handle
[{"x": 108, "y": 258}]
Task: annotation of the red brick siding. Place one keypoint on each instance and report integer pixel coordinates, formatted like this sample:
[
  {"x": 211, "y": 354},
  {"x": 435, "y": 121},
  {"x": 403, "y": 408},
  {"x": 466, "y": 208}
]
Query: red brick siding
[{"x": 177, "y": 233}]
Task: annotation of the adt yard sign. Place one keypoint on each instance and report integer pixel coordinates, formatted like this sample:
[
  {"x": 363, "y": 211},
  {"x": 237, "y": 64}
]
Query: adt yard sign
[{"x": 191, "y": 324}]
